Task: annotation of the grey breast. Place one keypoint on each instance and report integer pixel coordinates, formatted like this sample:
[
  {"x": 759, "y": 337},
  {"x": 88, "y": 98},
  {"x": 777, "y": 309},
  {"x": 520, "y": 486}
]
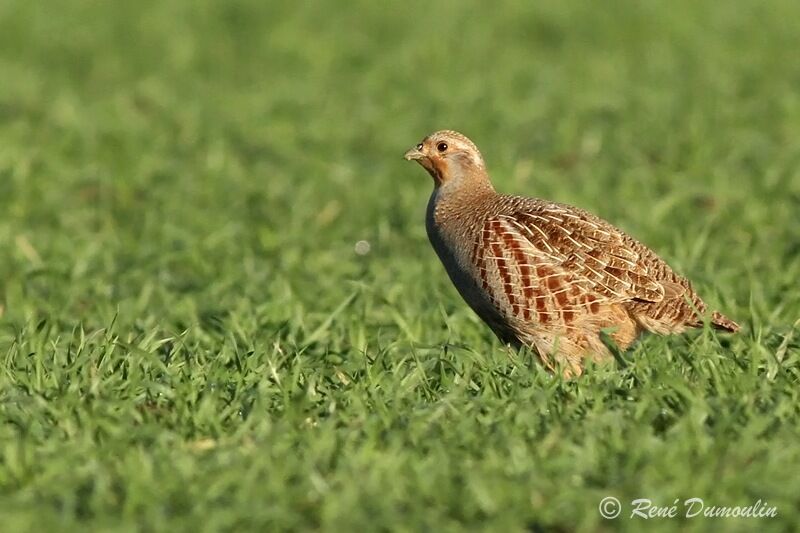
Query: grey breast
[{"x": 455, "y": 258}]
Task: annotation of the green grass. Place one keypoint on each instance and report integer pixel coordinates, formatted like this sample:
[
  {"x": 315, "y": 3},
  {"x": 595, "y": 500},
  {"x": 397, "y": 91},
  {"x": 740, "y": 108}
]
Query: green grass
[{"x": 188, "y": 340}]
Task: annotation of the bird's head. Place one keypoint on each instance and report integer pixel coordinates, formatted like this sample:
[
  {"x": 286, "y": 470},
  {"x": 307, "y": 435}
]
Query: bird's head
[{"x": 448, "y": 156}]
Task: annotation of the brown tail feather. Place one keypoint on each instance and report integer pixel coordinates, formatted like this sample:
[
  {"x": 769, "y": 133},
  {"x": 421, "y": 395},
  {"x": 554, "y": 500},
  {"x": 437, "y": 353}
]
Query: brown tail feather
[{"x": 720, "y": 321}]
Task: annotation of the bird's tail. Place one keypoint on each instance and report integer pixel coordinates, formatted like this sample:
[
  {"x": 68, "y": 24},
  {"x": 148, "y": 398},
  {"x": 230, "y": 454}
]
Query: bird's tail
[{"x": 720, "y": 321}]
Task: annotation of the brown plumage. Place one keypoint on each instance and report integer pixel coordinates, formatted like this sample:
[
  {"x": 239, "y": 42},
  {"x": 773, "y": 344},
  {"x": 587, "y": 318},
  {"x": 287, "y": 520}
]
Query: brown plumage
[{"x": 546, "y": 275}]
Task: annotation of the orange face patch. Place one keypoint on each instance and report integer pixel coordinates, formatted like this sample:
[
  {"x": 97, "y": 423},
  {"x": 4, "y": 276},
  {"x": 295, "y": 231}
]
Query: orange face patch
[{"x": 436, "y": 167}]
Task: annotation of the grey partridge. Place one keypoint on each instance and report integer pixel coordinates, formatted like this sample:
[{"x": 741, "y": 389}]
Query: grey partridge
[{"x": 547, "y": 275}]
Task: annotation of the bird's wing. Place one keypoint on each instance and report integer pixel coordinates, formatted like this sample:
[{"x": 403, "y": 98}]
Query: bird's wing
[{"x": 556, "y": 248}]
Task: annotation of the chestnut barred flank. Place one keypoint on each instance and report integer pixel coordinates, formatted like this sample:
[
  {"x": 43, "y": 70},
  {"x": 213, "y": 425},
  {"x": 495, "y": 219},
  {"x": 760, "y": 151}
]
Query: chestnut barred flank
[{"x": 547, "y": 275}]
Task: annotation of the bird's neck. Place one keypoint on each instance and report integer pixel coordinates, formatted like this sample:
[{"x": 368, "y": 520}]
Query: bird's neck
[{"x": 453, "y": 200}]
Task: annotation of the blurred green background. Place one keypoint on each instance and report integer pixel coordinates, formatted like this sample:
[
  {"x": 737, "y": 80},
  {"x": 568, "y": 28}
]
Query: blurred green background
[{"x": 189, "y": 340}]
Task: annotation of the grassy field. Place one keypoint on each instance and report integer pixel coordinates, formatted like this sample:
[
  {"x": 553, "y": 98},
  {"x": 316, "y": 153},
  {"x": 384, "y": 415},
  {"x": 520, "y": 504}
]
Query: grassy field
[{"x": 189, "y": 341}]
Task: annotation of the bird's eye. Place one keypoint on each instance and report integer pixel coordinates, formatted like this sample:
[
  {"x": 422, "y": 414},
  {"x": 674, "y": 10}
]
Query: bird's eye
[
  {"x": 419, "y": 146},
  {"x": 441, "y": 147}
]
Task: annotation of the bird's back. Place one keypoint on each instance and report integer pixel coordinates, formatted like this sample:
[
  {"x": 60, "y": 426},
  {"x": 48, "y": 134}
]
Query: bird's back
[{"x": 553, "y": 271}]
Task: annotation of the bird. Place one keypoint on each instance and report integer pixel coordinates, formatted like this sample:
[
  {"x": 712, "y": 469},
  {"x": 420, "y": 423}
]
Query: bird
[{"x": 545, "y": 275}]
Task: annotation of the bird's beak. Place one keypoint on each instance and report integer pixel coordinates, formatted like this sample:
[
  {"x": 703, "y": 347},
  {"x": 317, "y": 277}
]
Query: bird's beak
[{"x": 413, "y": 155}]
